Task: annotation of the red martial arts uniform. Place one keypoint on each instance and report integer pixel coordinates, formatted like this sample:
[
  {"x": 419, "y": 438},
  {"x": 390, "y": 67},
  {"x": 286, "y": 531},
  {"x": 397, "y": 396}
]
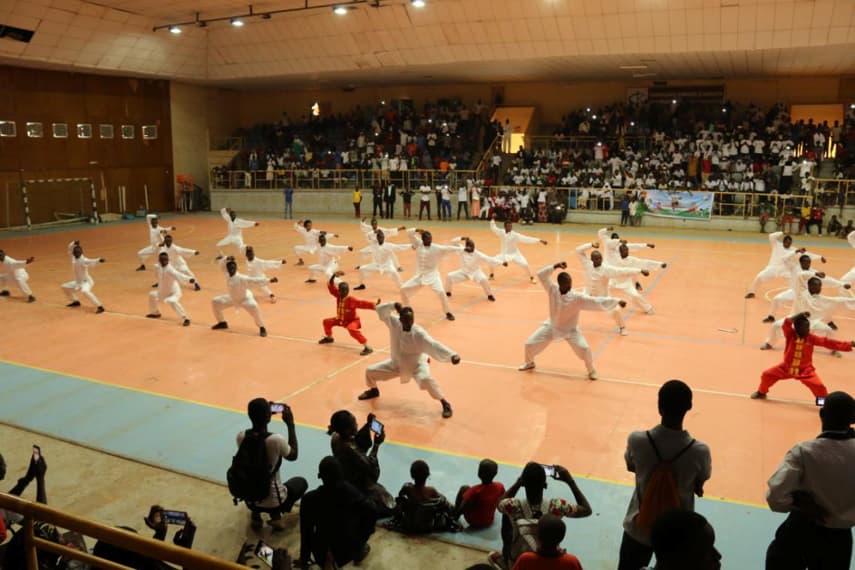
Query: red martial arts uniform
[
  {"x": 345, "y": 315},
  {"x": 798, "y": 361}
]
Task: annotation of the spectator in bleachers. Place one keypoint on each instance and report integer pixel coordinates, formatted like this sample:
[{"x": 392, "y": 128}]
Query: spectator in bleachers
[
  {"x": 478, "y": 503},
  {"x": 549, "y": 555},
  {"x": 689, "y": 460},
  {"x": 684, "y": 539}
]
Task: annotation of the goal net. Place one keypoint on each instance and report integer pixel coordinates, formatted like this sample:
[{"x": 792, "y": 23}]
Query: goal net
[{"x": 47, "y": 202}]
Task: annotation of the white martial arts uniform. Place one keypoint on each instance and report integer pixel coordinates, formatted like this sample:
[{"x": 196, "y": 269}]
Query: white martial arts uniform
[
  {"x": 850, "y": 275},
  {"x": 13, "y": 270},
  {"x": 168, "y": 290},
  {"x": 470, "y": 268},
  {"x": 311, "y": 238},
  {"x": 371, "y": 238},
  {"x": 410, "y": 351},
  {"x": 563, "y": 322},
  {"x": 257, "y": 268},
  {"x": 383, "y": 261},
  {"x": 777, "y": 261},
  {"x": 176, "y": 255},
  {"x": 239, "y": 295},
  {"x": 798, "y": 281},
  {"x": 235, "y": 231},
  {"x": 510, "y": 246},
  {"x": 155, "y": 238},
  {"x": 820, "y": 308},
  {"x": 611, "y": 246},
  {"x": 427, "y": 269},
  {"x": 327, "y": 260},
  {"x": 82, "y": 282},
  {"x": 597, "y": 279},
  {"x": 626, "y": 284}
]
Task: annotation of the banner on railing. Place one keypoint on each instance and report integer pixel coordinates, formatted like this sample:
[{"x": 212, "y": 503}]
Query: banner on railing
[{"x": 683, "y": 205}]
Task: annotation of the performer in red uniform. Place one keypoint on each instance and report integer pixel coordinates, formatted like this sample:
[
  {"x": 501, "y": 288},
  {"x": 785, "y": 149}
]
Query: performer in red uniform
[
  {"x": 798, "y": 357},
  {"x": 346, "y": 314}
]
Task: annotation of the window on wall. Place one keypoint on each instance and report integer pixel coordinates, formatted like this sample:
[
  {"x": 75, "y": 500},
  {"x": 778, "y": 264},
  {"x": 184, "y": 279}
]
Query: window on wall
[
  {"x": 35, "y": 130},
  {"x": 128, "y": 132},
  {"x": 149, "y": 132},
  {"x": 8, "y": 129},
  {"x": 105, "y": 131},
  {"x": 84, "y": 131},
  {"x": 60, "y": 130}
]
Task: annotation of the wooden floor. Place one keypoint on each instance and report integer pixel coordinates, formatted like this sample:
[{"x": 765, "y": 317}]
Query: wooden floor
[{"x": 703, "y": 332}]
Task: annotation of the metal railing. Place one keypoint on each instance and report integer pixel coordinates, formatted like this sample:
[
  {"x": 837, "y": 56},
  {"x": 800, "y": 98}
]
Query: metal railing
[
  {"x": 156, "y": 549},
  {"x": 337, "y": 179}
]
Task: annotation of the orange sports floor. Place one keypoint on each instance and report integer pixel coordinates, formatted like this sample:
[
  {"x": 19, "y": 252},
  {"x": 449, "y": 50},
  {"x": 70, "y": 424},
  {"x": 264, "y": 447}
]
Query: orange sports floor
[{"x": 703, "y": 332}]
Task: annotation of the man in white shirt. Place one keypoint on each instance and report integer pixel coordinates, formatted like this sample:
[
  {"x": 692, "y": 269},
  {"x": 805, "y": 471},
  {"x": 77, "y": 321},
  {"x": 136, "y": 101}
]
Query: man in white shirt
[
  {"x": 236, "y": 225},
  {"x": 310, "y": 236},
  {"x": 14, "y": 270},
  {"x": 168, "y": 290},
  {"x": 257, "y": 267},
  {"x": 428, "y": 257},
  {"x": 510, "y": 251},
  {"x": 470, "y": 267},
  {"x": 814, "y": 485},
  {"x": 383, "y": 259},
  {"x": 565, "y": 306},
  {"x": 598, "y": 274},
  {"x": 82, "y": 281},
  {"x": 155, "y": 236},
  {"x": 328, "y": 256},
  {"x": 239, "y": 295},
  {"x": 410, "y": 347},
  {"x": 176, "y": 258},
  {"x": 776, "y": 267},
  {"x": 626, "y": 284}
]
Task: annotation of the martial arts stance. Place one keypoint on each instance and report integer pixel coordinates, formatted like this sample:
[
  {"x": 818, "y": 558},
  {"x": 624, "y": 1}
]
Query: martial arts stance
[
  {"x": 328, "y": 255},
  {"x": 82, "y": 282},
  {"x": 236, "y": 225},
  {"x": 256, "y": 267},
  {"x": 563, "y": 322},
  {"x": 410, "y": 346},
  {"x": 850, "y": 275},
  {"x": 310, "y": 236},
  {"x": 510, "y": 246},
  {"x": 598, "y": 274},
  {"x": 798, "y": 265},
  {"x": 383, "y": 260},
  {"x": 13, "y": 270},
  {"x": 470, "y": 267},
  {"x": 239, "y": 295},
  {"x": 611, "y": 243},
  {"x": 370, "y": 232},
  {"x": 345, "y": 314},
  {"x": 776, "y": 267},
  {"x": 428, "y": 256},
  {"x": 155, "y": 237},
  {"x": 168, "y": 289},
  {"x": 625, "y": 284},
  {"x": 798, "y": 357},
  {"x": 176, "y": 258}
]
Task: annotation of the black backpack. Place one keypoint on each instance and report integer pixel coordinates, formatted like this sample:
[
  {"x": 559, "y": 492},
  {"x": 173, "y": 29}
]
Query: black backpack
[{"x": 250, "y": 475}]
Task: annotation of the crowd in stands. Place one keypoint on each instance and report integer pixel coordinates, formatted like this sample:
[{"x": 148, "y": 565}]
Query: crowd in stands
[{"x": 338, "y": 517}]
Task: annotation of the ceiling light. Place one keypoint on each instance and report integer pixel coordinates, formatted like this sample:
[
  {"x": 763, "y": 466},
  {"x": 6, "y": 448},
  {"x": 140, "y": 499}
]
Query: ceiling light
[
  {"x": 852, "y": 106},
  {"x": 417, "y": 3},
  {"x": 724, "y": 109},
  {"x": 340, "y": 10},
  {"x": 237, "y": 22},
  {"x": 673, "y": 101},
  {"x": 174, "y": 29}
]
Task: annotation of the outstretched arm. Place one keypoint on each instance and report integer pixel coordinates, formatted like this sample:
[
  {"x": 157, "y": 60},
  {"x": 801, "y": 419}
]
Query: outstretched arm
[
  {"x": 224, "y": 212},
  {"x": 241, "y": 223},
  {"x": 588, "y": 303},
  {"x": 435, "y": 349}
]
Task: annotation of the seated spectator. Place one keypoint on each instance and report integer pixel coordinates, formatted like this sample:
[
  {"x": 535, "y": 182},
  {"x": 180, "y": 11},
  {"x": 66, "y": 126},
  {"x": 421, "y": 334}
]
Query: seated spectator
[
  {"x": 521, "y": 515},
  {"x": 336, "y": 520},
  {"x": 420, "y": 508},
  {"x": 834, "y": 226},
  {"x": 848, "y": 229},
  {"x": 814, "y": 486},
  {"x": 281, "y": 497},
  {"x": 478, "y": 503},
  {"x": 549, "y": 554},
  {"x": 358, "y": 457},
  {"x": 684, "y": 539}
]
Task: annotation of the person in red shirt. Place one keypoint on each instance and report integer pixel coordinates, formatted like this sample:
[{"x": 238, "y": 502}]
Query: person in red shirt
[
  {"x": 549, "y": 554},
  {"x": 478, "y": 503},
  {"x": 345, "y": 315},
  {"x": 798, "y": 357}
]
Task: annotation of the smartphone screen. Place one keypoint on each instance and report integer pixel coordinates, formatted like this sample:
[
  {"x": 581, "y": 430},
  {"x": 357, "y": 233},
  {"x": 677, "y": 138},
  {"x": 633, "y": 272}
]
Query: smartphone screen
[
  {"x": 549, "y": 470},
  {"x": 264, "y": 553},
  {"x": 376, "y": 426},
  {"x": 820, "y": 401},
  {"x": 175, "y": 517},
  {"x": 276, "y": 408},
  {"x": 37, "y": 453}
]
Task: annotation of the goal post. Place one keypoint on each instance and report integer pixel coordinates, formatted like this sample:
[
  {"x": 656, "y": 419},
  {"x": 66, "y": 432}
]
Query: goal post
[{"x": 48, "y": 202}]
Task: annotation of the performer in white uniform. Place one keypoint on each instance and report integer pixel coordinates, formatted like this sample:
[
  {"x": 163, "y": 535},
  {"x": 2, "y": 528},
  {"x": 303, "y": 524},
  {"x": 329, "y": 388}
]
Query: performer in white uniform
[
  {"x": 611, "y": 241},
  {"x": 776, "y": 267},
  {"x": 383, "y": 260},
  {"x": 598, "y": 274},
  {"x": 235, "y": 229},
  {"x": 850, "y": 275},
  {"x": 370, "y": 232},
  {"x": 13, "y": 270},
  {"x": 176, "y": 258},
  {"x": 155, "y": 237},
  {"x": 256, "y": 267},
  {"x": 626, "y": 284},
  {"x": 82, "y": 282},
  {"x": 428, "y": 256},
  {"x": 798, "y": 264},
  {"x": 470, "y": 267},
  {"x": 239, "y": 295},
  {"x": 563, "y": 322},
  {"x": 310, "y": 236},
  {"x": 168, "y": 290},
  {"x": 510, "y": 246},
  {"x": 328, "y": 255},
  {"x": 410, "y": 346}
]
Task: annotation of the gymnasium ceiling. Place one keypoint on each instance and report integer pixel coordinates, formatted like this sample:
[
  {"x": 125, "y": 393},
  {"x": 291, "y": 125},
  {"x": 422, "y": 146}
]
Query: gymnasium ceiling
[{"x": 448, "y": 40}]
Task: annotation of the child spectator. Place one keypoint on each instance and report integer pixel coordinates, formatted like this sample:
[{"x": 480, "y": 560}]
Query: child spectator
[{"x": 478, "y": 504}]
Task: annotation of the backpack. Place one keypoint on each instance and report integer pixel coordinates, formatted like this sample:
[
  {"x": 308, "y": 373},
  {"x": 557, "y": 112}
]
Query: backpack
[
  {"x": 422, "y": 517},
  {"x": 661, "y": 493},
  {"x": 249, "y": 476},
  {"x": 525, "y": 530}
]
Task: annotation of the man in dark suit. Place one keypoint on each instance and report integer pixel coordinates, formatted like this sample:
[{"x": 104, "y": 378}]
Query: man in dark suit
[
  {"x": 377, "y": 195},
  {"x": 389, "y": 196}
]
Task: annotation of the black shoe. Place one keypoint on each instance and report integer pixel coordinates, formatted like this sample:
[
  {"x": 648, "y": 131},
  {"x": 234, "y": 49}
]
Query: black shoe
[
  {"x": 366, "y": 351},
  {"x": 749, "y": 295},
  {"x": 73, "y": 304},
  {"x": 262, "y": 332},
  {"x": 99, "y": 310},
  {"x": 449, "y": 316},
  {"x": 448, "y": 293},
  {"x": 141, "y": 267},
  {"x": 491, "y": 298},
  {"x": 31, "y": 299},
  {"x": 638, "y": 286},
  {"x": 4, "y": 293},
  {"x": 221, "y": 325},
  {"x": 359, "y": 287},
  {"x": 186, "y": 323},
  {"x": 310, "y": 280},
  {"x": 153, "y": 316},
  {"x": 446, "y": 409},
  {"x": 370, "y": 394},
  {"x": 758, "y": 396},
  {"x": 154, "y": 285},
  {"x": 197, "y": 287},
  {"x": 769, "y": 319},
  {"x": 326, "y": 340},
  {"x": 832, "y": 326}
]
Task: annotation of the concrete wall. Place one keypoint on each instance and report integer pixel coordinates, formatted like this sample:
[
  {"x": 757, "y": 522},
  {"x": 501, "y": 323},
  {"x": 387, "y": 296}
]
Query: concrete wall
[{"x": 189, "y": 107}]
